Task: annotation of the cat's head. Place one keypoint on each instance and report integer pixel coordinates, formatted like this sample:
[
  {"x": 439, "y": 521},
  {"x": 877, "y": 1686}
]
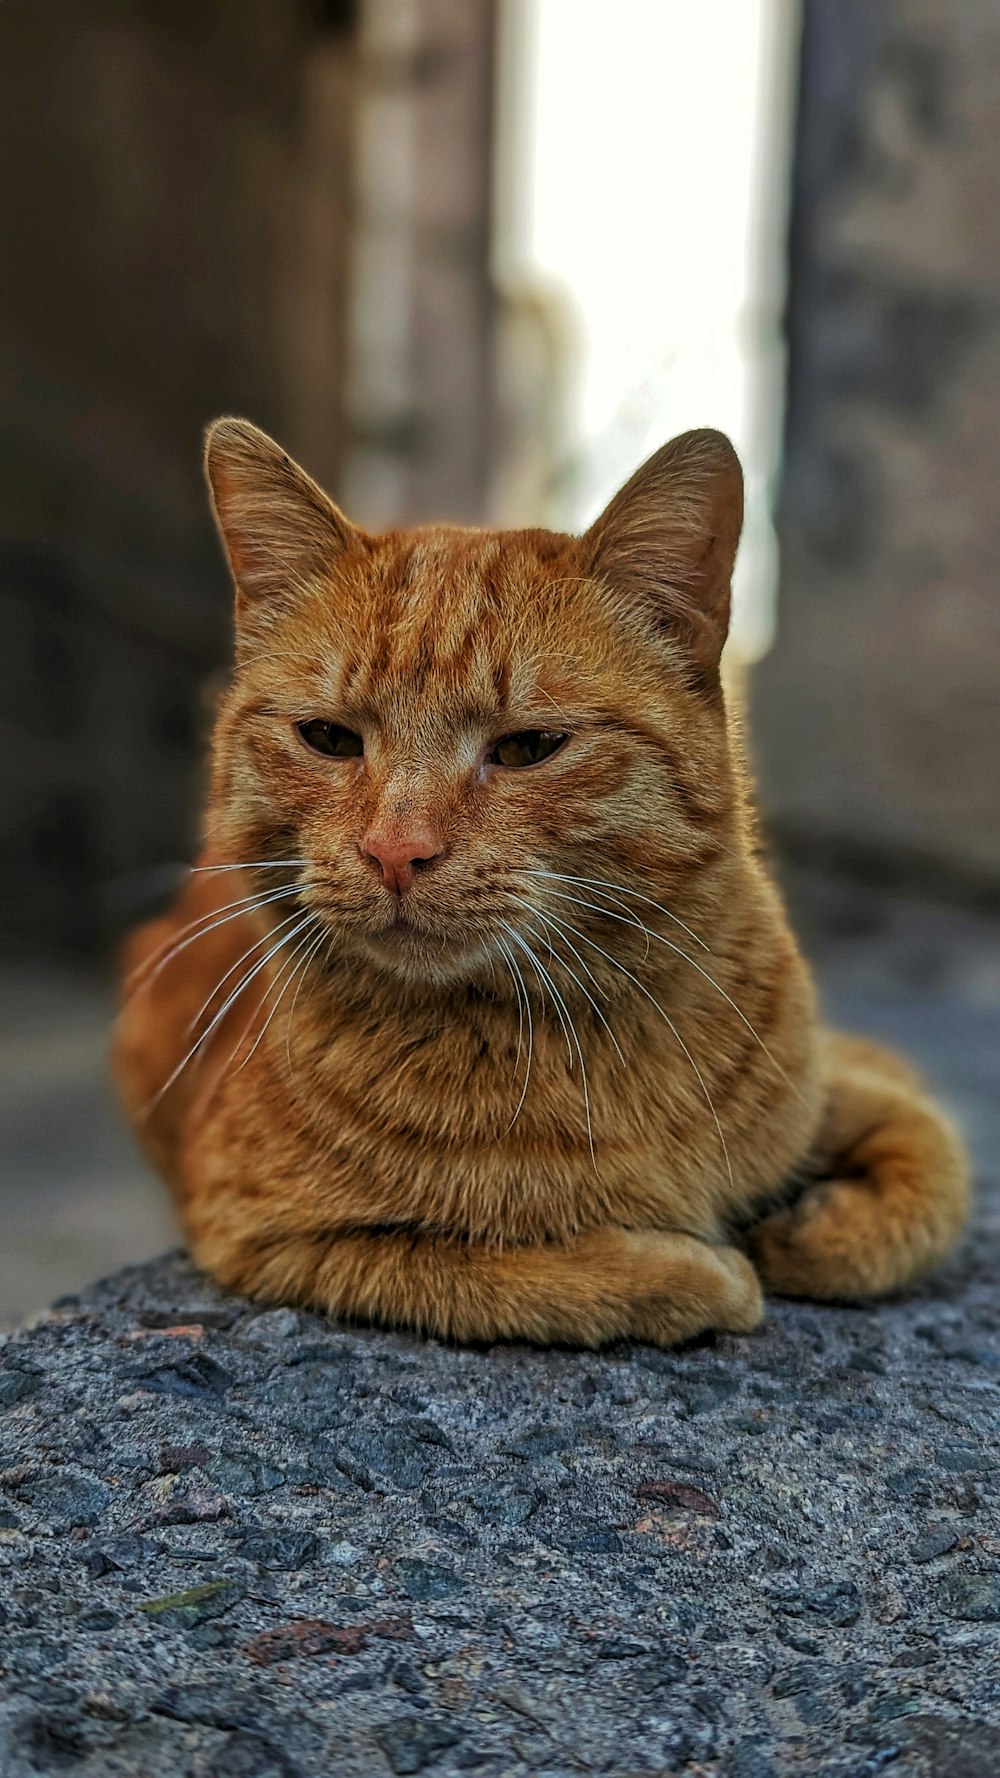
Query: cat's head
[{"x": 456, "y": 730}]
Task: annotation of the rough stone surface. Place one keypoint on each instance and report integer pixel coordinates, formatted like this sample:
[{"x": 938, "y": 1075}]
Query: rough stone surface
[
  {"x": 236, "y": 1542},
  {"x": 273, "y": 1545}
]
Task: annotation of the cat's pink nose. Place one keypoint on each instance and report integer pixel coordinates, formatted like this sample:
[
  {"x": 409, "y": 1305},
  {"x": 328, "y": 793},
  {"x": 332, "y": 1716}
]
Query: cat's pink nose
[{"x": 399, "y": 857}]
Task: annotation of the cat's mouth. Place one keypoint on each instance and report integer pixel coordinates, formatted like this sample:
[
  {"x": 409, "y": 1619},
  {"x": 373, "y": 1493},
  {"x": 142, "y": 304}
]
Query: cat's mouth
[
  {"x": 406, "y": 932},
  {"x": 410, "y": 940},
  {"x": 402, "y": 930},
  {"x": 403, "y": 937},
  {"x": 405, "y": 944}
]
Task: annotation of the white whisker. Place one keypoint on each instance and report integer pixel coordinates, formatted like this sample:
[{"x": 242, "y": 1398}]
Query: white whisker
[
  {"x": 542, "y": 979},
  {"x": 520, "y": 1009},
  {"x": 230, "y": 1059},
  {"x": 522, "y": 995},
  {"x": 616, "y": 889},
  {"x": 575, "y": 930},
  {"x": 250, "y": 864},
  {"x": 286, "y": 974},
  {"x": 205, "y": 923},
  {"x": 264, "y": 939},
  {"x": 220, "y": 1015},
  {"x": 575, "y": 978},
  {"x": 562, "y": 1010},
  {"x": 310, "y": 954},
  {"x": 678, "y": 952}
]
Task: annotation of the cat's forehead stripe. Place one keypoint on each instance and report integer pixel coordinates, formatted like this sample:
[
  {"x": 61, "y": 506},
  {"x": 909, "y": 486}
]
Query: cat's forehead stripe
[{"x": 446, "y": 616}]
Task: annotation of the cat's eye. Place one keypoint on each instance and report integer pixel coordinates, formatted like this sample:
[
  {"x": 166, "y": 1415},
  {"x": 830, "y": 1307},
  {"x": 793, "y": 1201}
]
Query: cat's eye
[
  {"x": 528, "y": 748},
  {"x": 331, "y": 739}
]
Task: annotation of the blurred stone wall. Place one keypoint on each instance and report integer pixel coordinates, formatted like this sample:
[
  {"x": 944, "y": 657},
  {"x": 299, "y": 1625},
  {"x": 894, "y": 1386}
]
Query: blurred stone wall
[
  {"x": 877, "y": 716},
  {"x": 174, "y": 211},
  {"x": 279, "y": 208},
  {"x": 419, "y": 394}
]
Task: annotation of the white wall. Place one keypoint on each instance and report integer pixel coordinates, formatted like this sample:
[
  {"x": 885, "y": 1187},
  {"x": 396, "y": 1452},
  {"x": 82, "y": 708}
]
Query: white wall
[{"x": 643, "y": 167}]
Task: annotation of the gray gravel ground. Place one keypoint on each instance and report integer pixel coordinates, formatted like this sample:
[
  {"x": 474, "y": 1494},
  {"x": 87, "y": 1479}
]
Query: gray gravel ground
[{"x": 245, "y": 1543}]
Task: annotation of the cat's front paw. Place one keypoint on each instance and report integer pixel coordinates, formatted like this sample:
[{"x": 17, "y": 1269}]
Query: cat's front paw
[
  {"x": 744, "y": 1295},
  {"x": 689, "y": 1288}
]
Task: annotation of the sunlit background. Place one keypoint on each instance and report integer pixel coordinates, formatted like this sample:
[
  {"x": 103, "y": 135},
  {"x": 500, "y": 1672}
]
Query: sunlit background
[
  {"x": 642, "y": 195},
  {"x": 475, "y": 261}
]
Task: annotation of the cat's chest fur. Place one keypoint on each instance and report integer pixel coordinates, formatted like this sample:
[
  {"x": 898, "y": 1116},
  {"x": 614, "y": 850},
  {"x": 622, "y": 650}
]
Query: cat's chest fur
[{"x": 480, "y": 1124}]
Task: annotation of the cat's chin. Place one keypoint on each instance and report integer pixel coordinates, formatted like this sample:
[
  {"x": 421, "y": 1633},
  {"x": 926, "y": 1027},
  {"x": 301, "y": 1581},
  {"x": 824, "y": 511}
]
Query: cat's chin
[{"x": 411, "y": 954}]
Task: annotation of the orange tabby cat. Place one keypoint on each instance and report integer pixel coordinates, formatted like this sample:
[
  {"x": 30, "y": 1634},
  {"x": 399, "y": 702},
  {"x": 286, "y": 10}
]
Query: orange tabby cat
[{"x": 481, "y": 1014}]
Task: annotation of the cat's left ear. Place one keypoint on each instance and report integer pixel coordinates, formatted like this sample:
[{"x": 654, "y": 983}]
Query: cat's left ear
[
  {"x": 280, "y": 531},
  {"x": 668, "y": 542}
]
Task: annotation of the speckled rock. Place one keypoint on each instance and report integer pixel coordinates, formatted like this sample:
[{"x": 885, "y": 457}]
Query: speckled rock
[{"x": 235, "y": 1542}]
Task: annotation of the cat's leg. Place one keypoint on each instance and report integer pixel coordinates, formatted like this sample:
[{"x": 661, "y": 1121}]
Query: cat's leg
[
  {"x": 606, "y": 1284},
  {"x": 892, "y": 1190}
]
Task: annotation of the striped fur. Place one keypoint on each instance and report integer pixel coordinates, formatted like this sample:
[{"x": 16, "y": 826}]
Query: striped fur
[{"x": 366, "y": 1135}]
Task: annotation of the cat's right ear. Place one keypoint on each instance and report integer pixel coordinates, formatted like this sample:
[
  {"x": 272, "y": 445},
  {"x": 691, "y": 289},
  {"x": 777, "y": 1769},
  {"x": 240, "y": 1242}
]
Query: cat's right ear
[{"x": 280, "y": 532}]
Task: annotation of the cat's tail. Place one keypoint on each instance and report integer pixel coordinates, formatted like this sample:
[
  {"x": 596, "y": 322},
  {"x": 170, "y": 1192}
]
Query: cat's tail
[{"x": 889, "y": 1189}]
